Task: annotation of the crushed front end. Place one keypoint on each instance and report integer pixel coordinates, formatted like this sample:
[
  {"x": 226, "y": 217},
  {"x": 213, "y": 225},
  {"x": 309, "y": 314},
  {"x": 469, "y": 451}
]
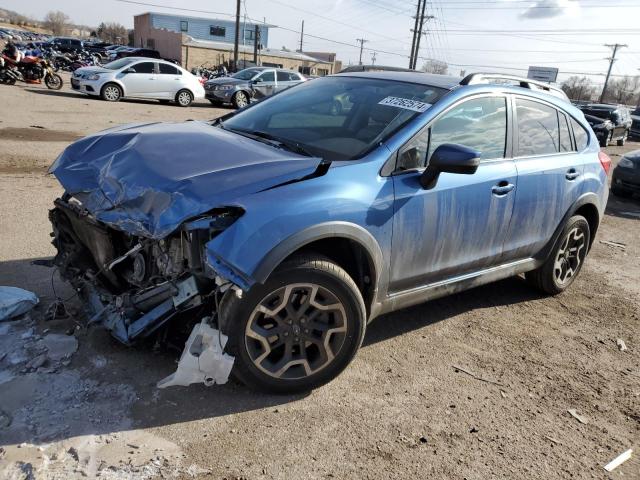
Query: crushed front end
[{"x": 135, "y": 285}]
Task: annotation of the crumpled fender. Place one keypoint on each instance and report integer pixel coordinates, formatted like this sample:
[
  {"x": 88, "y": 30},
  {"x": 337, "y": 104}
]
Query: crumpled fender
[
  {"x": 345, "y": 202},
  {"x": 148, "y": 179}
]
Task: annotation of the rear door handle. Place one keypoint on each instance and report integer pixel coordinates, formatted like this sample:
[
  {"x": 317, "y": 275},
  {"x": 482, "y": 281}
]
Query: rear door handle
[
  {"x": 572, "y": 174},
  {"x": 502, "y": 188}
]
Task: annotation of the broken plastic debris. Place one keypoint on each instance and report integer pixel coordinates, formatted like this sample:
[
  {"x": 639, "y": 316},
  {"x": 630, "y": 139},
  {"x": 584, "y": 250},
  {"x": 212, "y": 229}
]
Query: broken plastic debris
[
  {"x": 202, "y": 359},
  {"x": 619, "y": 460},
  {"x": 15, "y": 302}
]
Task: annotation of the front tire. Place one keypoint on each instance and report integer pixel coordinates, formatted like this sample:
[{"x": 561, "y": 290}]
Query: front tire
[
  {"x": 240, "y": 99},
  {"x": 298, "y": 330},
  {"x": 184, "y": 98},
  {"x": 567, "y": 257},
  {"x": 111, "y": 92}
]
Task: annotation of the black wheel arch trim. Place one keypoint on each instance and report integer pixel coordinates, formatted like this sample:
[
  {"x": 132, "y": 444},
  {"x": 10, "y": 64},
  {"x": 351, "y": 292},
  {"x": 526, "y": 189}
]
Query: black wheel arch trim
[
  {"x": 589, "y": 198},
  {"x": 337, "y": 229}
]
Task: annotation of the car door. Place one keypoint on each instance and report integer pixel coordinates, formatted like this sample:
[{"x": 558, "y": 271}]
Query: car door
[
  {"x": 264, "y": 85},
  {"x": 549, "y": 174},
  {"x": 141, "y": 80},
  {"x": 169, "y": 80},
  {"x": 460, "y": 224}
]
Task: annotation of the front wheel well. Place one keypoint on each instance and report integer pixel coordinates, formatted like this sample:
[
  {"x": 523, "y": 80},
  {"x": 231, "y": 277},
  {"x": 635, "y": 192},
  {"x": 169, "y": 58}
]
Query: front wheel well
[
  {"x": 352, "y": 257},
  {"x": 590, "y": 212}
]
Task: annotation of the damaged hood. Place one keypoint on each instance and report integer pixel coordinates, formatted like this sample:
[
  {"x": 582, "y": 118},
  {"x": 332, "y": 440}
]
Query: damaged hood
[{"x": 148, "y": 179}]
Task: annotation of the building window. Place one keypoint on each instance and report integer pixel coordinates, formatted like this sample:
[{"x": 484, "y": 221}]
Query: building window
[
  {"x": 184, "y": 26},
  {"x": 216, "y": 31},
  {"x": 249, "y": 35}
]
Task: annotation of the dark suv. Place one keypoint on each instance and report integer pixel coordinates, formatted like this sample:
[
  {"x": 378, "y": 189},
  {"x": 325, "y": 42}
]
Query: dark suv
[
  {"x": 619, "y": 117},
  {"x": 138, "y": 52},
  {"x": 67, "y": 44}
]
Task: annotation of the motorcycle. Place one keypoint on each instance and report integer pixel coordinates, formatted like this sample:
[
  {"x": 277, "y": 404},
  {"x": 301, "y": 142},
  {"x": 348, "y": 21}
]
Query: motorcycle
[{"x": 30, "y": 70}]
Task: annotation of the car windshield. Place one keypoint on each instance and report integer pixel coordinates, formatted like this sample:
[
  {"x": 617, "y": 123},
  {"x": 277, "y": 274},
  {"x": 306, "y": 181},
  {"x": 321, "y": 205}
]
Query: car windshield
[
  {"x": 336, "y": 118},
  {"x": 598, "y": 112},
  {"x": 246, "y": 74},
  {"x": 118, "y": 64}
]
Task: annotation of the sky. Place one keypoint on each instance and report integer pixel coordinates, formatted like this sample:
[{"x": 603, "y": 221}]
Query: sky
[{"x": 470, "y": 35}]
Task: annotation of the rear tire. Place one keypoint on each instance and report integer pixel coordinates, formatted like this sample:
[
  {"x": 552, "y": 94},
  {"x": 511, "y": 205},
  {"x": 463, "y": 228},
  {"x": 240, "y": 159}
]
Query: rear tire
[
  {"x": 111, "y": 92},
  {"x": 184, "y": 98},
  {"x": 560, "y": 270},
  {"x": 281, "y": 333}
]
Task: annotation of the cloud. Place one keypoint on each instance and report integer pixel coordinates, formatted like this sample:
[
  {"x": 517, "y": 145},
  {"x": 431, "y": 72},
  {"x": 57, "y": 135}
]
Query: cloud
[{"x": 546, "y": 9}]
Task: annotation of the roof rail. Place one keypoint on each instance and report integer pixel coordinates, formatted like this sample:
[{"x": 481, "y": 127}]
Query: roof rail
[{"x": 502, "y": 78}]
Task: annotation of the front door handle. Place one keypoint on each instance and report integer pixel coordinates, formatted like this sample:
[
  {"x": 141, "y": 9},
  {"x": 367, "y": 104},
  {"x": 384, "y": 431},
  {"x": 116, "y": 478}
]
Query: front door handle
[
  {"x": 502, "y": 188},
  {"x": 572, "y": 174}
]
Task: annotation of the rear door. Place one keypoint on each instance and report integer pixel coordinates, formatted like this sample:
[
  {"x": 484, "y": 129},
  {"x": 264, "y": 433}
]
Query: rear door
[
  {"x": 549, "y": 175},
  {"x": 169, "y": 80},
  {"x": 459, "y": 226},
  {"x": 142, "y": 81}
]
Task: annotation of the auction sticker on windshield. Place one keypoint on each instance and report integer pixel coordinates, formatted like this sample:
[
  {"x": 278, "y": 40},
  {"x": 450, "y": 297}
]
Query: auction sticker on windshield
[{"x": 405, "y": 103}]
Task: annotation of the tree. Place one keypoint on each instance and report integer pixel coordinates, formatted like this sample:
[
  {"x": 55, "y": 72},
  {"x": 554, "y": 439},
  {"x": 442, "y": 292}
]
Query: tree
[
  {"x": 623, "y": 90},
  {"x": 57, "y": 22},
  {"x": 579, "y": 88},
  {"x": 112, "y": 32},
  {"x": 435, "y": 66}
]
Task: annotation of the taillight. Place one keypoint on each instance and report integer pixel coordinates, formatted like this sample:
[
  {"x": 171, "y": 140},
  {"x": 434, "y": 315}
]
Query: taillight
[{"x": 605, "y": 161}]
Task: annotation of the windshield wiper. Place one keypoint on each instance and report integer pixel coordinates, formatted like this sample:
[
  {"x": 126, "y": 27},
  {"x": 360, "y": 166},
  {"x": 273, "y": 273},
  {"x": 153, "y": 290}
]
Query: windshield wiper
[{"x": 278, "y": 142}]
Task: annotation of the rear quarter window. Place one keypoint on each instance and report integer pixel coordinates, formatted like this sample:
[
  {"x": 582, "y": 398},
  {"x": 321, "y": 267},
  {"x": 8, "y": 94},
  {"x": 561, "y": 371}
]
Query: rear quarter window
[{"x": 580, "y": 134}]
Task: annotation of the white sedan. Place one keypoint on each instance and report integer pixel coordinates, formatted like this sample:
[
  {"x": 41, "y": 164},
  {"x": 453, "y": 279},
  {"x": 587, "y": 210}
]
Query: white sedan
[{"x": 139, "y": 77}]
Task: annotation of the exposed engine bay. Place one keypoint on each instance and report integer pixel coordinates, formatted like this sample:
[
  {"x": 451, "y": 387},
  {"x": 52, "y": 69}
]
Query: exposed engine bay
[{"x": 134, "y": 285}]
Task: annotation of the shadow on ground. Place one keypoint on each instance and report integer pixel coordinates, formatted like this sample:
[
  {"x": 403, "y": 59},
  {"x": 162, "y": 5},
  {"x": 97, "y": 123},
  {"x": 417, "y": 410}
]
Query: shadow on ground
[{"x": 115, "y": 380}]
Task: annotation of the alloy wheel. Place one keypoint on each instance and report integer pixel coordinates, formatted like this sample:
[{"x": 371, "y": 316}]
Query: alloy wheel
[
  {"x": 296, "y": 331},
  {"x": 184, "y": 98},
  {"x": 570, "y": 256},
  {"x": 111, "y": 93},
  {"x": 241, "y": 100}
]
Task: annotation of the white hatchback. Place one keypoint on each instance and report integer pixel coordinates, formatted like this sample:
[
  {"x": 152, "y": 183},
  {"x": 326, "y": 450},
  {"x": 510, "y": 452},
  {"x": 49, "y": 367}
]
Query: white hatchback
[{"x": 139, "y": 77}]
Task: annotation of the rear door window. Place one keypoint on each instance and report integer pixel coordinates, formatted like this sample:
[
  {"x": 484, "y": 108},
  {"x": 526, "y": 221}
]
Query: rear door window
[
  {"x": 538, "y": 131},
  {"x": 283, "y": 76},
  {"x": 267, "y": 77},
  {"x": 168, "y": 69}
]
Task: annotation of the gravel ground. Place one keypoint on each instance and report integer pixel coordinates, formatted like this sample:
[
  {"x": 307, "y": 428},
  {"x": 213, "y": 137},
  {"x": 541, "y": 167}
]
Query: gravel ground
[{"x": 475, "y": 386}]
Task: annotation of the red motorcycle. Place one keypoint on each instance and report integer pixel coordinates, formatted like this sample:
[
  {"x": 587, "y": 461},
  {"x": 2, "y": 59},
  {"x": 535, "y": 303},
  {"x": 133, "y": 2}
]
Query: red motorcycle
[{"x": 29, "y": 70}]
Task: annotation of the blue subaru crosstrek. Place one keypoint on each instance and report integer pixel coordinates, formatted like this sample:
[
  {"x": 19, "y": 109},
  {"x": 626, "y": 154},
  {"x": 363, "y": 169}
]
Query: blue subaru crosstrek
[{"x": 289, "y": 225}]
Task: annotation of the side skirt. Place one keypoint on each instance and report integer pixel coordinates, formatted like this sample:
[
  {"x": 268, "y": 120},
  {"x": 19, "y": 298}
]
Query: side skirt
[{"x": 422, "y": 294}]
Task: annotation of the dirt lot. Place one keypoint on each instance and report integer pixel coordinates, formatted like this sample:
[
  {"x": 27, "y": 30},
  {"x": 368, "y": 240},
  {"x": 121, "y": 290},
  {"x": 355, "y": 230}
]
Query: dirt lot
[{"x": 401, "y": 410}]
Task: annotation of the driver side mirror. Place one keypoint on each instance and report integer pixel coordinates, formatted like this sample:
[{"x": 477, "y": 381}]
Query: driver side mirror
[
  {"x": 450, "y": 158},
  {"x": 129, "y": 70}
]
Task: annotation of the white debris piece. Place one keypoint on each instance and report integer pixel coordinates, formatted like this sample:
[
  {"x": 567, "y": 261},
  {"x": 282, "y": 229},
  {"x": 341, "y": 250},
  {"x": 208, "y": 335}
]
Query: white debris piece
[
  {"x": 619, "y": 460},
  {"x": 202, "y": 359},
  {"x": 15, "y": 302}
]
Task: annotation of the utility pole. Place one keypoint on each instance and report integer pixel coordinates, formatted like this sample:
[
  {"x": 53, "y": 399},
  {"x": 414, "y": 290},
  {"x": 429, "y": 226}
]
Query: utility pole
[
  {"x": 237, "y": 37},
  {"x": 301, "y": 36},
  {"x": 256, "y": 42},
  {"x": 415, "y": 31},
  {"x": 612, "y": 59},
  {"x": 373, "y": 58},
  {"x": 419, "y": 35},
  {"x": 362, "y": 42}
]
